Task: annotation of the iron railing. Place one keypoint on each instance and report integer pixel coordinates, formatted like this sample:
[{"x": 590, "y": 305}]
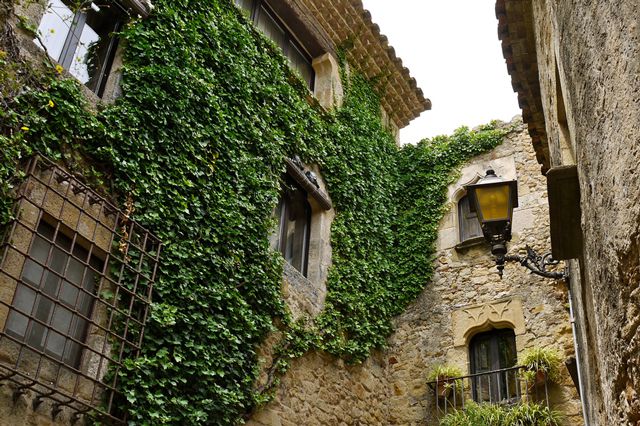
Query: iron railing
[
  {"x": 58, "y": 217},
  {"x": 508, "y": 386}
]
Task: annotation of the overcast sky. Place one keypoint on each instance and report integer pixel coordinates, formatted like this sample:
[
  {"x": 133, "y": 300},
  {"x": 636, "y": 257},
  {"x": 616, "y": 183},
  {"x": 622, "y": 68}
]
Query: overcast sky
[{"x": 451, "y": 48}]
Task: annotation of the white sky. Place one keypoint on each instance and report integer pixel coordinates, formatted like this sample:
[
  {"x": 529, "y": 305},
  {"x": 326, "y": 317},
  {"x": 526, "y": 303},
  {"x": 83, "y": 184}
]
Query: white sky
[{"x": 451, "y": 48}]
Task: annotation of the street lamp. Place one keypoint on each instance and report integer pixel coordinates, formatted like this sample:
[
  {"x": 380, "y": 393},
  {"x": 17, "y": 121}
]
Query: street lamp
[{"x": 493, "y": 199}]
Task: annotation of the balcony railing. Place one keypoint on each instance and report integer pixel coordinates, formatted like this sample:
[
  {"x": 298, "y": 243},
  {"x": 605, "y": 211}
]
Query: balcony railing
[{"x": 507, "y": 386}]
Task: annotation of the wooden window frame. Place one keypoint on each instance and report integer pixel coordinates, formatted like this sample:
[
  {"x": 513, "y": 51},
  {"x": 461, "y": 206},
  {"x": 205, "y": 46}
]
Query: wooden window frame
[
  {"x": 482, "y": 390},
  {"x": 253, "y": 9}
]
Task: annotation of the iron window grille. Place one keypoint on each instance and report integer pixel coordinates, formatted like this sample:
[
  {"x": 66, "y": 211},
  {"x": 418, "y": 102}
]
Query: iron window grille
[
  {"x": 82, "y": 39},
  {"x": 271, "y": 26},
  {"x": 76, "y": 278}
]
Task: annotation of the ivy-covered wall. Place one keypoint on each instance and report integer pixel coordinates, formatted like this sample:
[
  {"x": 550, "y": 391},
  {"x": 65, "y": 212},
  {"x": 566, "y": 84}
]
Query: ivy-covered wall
[{"x": 209, "y": 111}]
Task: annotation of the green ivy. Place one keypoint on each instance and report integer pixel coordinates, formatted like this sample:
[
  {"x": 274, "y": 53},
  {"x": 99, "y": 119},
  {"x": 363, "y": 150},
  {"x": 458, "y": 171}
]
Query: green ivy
[{"x": 209, "y": 112}]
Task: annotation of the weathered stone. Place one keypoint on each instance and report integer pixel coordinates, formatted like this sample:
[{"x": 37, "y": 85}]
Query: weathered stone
[{"x": 577, "y": 81}]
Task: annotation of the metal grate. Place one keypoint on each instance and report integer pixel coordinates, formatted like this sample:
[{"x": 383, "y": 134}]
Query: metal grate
[{"x": 76, "y": 277}]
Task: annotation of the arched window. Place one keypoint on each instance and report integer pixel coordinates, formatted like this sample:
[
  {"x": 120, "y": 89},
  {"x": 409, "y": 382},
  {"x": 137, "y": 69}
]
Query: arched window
[
  {"x": 468, "y": 224},
  {"x": 294, "y": 213},
  {"x": 491, "y": 351}
]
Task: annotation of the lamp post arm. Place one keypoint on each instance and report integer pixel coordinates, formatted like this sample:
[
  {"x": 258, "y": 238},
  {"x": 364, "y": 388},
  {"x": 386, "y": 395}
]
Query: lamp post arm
[{"x": 538, "y": 264}]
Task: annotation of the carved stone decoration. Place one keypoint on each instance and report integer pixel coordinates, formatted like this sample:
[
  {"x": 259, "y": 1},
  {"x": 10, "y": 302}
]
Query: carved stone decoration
[{"x": 472, "y": 319}]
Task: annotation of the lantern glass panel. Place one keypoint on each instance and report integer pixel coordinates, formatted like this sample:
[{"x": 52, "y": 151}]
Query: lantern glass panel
[{"x": 494, "y": 202}]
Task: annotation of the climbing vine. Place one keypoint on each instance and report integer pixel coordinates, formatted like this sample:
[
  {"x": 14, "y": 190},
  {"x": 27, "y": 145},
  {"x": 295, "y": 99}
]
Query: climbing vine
[{"x": 208, "y": 113}]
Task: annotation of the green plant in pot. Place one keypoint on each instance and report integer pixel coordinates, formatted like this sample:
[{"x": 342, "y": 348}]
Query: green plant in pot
[
  {"x": 541, "y": 364},
  {"x": 444, "y": 378}
]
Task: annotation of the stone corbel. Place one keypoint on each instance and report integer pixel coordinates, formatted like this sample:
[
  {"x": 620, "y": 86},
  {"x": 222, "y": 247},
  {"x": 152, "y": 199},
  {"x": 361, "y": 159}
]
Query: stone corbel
[{"x": 328, "y": 86}]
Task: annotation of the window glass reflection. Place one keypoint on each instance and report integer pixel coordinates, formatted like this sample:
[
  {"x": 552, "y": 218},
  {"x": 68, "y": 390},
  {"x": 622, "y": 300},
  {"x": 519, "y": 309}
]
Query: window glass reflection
[
  {"x": 82, "y": 42},
  {"x": 55, "y": 26}
]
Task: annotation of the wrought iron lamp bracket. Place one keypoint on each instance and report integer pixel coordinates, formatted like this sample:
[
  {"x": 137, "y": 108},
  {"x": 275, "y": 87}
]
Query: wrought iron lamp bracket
[{"x": 534, "y": 262}]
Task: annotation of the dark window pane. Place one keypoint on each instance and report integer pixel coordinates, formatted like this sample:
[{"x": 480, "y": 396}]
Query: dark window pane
[
  {"x": 301, "y": 64},
  {"x": 96, "y": 45},
  {"x": 491, "y": 351},
  {"x": 40, "y": 249},
  {"x": 55, "y": 307},
  {"x": 32, "y": 273},
  {"x": 294, "y": 226},
  {"x": 270, "y": 28}
]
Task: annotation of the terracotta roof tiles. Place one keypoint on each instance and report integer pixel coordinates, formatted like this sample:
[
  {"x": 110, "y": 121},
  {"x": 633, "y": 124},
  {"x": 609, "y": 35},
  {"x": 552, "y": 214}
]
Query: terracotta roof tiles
[{"x": 347, "y": 21}]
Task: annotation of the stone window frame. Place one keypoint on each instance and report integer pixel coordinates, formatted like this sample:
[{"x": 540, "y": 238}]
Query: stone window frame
[
  {"x": 305, "y": 294},
  {"x": 120, "y": 304},
  {"x": 470, "y": 174},
  {"x": 470, "y": 320},
  {"x": 52, "y": 292},
  {"x": 326, "y": 86},
  {"x": 109, "y": 17}
]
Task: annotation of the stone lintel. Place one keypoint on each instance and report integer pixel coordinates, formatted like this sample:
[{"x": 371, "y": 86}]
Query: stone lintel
[{"x": 472, "y": 319}]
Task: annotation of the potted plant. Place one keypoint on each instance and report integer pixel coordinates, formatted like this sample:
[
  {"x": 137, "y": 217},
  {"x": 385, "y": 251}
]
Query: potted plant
[
  {"x": 444, "y": 379},
  {"x": 541, "y": 364}
]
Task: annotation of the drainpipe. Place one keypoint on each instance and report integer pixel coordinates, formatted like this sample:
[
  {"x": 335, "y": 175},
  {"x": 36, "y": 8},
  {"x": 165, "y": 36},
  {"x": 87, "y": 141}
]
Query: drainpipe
[{"x": 575, "y": 348}]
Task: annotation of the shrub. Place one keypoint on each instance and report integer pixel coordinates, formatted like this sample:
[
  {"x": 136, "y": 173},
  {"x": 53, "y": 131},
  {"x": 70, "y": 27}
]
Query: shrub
[{"x": 525, "y": 414}]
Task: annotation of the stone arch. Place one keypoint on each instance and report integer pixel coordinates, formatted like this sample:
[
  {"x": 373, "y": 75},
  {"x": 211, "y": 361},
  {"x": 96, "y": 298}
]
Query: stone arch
[
  {"x": 472, "y": 319},
  {"x": 488, "y": 325},
  {"x": 459, "y": 190}
]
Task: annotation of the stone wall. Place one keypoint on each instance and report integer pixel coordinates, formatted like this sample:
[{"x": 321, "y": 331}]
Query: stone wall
[
  {"x": 466, "y": 296},
  {"x": 588, "y": 63},
  {"x": 322, "y": 390}
]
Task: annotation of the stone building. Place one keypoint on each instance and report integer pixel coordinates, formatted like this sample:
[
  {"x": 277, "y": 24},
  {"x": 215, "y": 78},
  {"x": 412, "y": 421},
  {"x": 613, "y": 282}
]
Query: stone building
[
  {"x": 576, "y": 71},
  {"x": 465, "y": 302},
  {"x": 71, "y": 306}
]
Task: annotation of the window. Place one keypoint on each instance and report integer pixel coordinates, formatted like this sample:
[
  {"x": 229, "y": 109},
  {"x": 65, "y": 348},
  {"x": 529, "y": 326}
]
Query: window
[
  {"x": 491, "y": 351},
  {"x": 53, "y": 302},
  {"x": 468, "y": 223},
  {"x": 76, "y": 276},
  {"x": 82, "y": 40},
  {"x": 267, "y": 21},
  {"x": 294, "y": 214}
]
